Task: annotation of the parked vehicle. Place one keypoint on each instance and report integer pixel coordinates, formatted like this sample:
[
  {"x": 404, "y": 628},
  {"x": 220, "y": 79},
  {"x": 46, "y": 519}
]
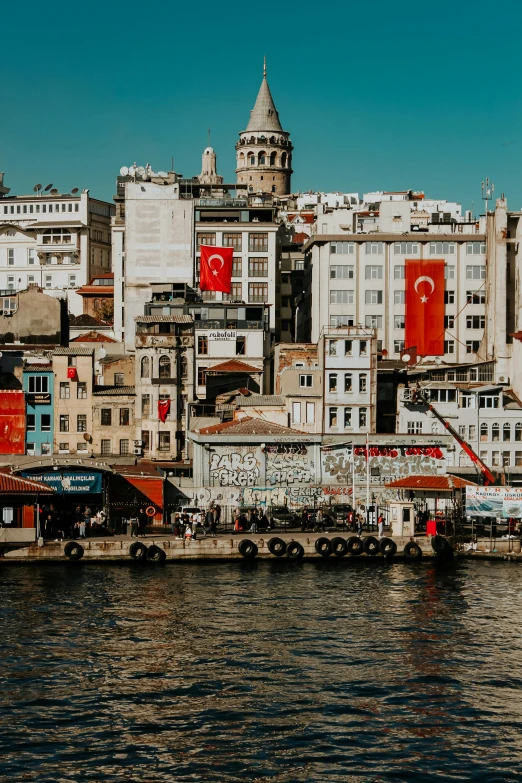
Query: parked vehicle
[{"x": 282, "y": 516}]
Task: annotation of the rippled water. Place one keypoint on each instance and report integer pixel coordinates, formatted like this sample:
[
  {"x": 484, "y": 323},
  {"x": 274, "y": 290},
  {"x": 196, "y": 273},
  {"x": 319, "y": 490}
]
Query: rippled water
[{"x": 261, "y": 671}]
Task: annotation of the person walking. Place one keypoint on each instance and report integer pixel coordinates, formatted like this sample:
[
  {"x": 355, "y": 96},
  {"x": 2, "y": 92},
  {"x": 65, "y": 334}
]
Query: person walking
[
  {"x": 359, "y": 524},
  {"x": 142, "y": 522},
  {"x": 380, "y": 525},
  {"x": 82, "y": 527},
  {"x": 134, "y": 526}
]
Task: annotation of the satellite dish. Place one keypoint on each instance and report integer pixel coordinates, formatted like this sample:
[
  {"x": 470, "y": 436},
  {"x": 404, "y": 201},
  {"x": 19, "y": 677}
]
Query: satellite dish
[
  {"x": 140, "y": 170},
  {"x": 162, "y": 174},
  {"x": 54, "y": 191},
  {"x": 132, "y": 170},
  {"x": 48, "y": 187},
  {"x": 405, "y": 357},
  {"x": 37, "y": 188},
  {"x": 124, "y": 171},
  {"x": 102, "y": 353},
  {"x": 74, "y": 191}
]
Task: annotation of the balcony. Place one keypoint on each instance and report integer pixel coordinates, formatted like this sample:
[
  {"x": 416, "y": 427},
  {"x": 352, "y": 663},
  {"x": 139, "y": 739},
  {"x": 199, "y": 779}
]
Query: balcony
[
  {"x": 220, "y": 202},
  {"x": 222, "y": 324},
  {"x": 163, "y": 381}
]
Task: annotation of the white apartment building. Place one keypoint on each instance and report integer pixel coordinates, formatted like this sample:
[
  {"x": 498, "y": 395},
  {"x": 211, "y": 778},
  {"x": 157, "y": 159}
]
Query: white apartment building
[
  {"x": 359, "y": 279},
  {"x": 57, "y": 241}
]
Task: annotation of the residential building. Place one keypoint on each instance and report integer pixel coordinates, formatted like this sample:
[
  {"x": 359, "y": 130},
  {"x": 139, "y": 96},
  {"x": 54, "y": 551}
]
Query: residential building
[
  {"x": 299, "y": 380},
  {"x": 98, "y": 297},
  {"x": 73, "y": 401},
  {"x": 38, "y": 385},
  {"x": 31, "y": 319},
  {"x": 113, "y": 421},
  {"x": 57, "y": 241},
  {"x": 116, "y": 370}
]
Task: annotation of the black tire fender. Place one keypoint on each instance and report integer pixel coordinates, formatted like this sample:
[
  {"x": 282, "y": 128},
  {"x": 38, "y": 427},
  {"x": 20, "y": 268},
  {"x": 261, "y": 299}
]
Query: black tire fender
[
  {"x": 323, "y": 546},
  {"x": 412, "y": 551},
  {"x": 73, "y": 550},
  {"x": 138, "y": 551},
  {"x": 339, "y": 546},
  {"x": 371, "y": 546},
  {"x": 247, "y": 548},
  {"x": 387, "y": 547},
  {"x": 277, "y": 546},
  {"x": 294, "y": 550},
  {"x": 439, "y": 544},
  {"x": 355, "y": 545},
  {"x": 155, "y": 554}
]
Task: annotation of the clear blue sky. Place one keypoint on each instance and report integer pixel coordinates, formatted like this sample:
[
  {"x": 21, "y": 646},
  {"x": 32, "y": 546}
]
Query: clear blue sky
[{"x": 376, "y": 95}]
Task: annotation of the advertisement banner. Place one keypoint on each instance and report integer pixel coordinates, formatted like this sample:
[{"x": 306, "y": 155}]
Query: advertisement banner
[
  {"x": 65, "y": 482},
  {"x": 501, "y": 502}
]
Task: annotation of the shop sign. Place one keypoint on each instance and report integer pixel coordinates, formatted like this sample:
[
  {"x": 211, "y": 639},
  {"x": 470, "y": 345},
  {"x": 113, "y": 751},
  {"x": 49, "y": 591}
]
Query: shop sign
[
  {"x": 222, "y": 334},
  {"x": 501, "y": 502},
  {"x": 39, "y": 399},
  {"x": 67, "y": 482}
]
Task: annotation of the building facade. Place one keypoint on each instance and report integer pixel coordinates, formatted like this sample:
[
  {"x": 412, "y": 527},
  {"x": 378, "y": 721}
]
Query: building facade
[
  {"x": 73, "y": 370},
  {"x": 113, "y": 425},
  {"x": 38, "y": 384}
]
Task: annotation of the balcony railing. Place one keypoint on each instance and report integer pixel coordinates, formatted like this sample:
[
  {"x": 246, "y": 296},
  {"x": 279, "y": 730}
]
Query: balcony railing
[{"x": 221, "y": 324}]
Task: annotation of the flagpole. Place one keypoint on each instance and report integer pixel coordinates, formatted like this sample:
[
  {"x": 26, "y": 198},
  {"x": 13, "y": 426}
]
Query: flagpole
[
  {"x": 353, "y": 479},
  {"x": 367, "y": 480}
]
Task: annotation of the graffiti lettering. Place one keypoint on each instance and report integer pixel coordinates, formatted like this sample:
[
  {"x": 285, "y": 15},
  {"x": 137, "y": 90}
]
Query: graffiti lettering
[{"x": 235, "y": 469}]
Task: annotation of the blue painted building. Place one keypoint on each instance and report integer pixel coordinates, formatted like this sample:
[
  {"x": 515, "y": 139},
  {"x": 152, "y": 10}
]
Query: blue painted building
[{"x": 39, "y": 395}]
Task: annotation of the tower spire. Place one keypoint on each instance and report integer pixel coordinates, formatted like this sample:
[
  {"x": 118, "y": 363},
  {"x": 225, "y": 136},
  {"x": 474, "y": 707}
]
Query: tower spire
[{"x": 264, "y": 67}]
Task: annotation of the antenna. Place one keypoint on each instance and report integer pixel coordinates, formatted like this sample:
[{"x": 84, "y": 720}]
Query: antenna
[
  {"x": 37, "y": 188},
  {"x": 74, "y": 191},
  {"x": 264, "y": 67},
  {"x": 487, "y": 192},
  {"x": 208, "y": 145}
]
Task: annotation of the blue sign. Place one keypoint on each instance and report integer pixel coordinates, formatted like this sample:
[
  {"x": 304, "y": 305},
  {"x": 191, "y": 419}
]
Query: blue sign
[{"x": 66, "y": 481}]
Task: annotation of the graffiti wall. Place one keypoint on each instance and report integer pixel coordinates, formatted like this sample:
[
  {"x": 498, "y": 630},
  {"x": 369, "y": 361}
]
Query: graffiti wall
[
  {"x": 235, "y": 466},
  {"x": 388, "y": 462},
  {"x": 289, "y": 463}
]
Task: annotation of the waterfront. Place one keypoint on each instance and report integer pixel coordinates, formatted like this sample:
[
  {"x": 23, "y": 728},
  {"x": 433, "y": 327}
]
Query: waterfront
[{"x": 313, "y": 671}]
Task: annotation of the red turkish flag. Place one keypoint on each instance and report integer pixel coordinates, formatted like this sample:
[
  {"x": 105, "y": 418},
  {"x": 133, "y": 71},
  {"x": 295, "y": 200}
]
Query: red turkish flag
[
  {"x": 163, "y": 410},
  {"x": 425, "y": 306},
  {"x": 216, "y": 269},
  {"x": 71, "y": 372}
]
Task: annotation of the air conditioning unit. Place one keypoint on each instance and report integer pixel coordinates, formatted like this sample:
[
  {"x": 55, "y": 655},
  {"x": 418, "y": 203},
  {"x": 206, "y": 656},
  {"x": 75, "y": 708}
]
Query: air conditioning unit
[
  {"x": 7, "y": 312},
  {"x": 137, "y": 452},
  {"x": 138, "y": 443},
  {"x": 503, "y": 379}
]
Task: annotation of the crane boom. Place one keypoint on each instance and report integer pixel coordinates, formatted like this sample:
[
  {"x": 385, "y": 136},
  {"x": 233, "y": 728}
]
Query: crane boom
[{"x": 489, "y": 478}]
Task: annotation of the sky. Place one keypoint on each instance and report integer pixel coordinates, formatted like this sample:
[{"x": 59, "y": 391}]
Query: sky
[{"x": 376, "y": 95}]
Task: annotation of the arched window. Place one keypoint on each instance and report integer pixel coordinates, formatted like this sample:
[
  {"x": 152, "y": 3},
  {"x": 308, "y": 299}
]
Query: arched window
[
  {"x": 506, "y": 432},
  {"x": 272, "y": 140},
  {"x": 252, "y": 140},
  {"x": 283, "y": 160},
  {"x": 145, "y": 367},
  {"x": 252, "y": 159},
  {"x": 184, "y": 367},
  {"x": 495, "y": 432},
  {"x": 272, "y": 158},
  {"x": 483, "y": 431},
  {"x": 164, "y": 367},
  {"x": 518, "y": 430},
  {"x": 262, "y": 158},
  {"x": 241, "y": 159},
  {"x": 435, "y": 428},
  {"x": 273, "y": 188}
]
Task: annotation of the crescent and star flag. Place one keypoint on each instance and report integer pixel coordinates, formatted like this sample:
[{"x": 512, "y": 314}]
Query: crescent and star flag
[
  {"x": 425, "y": 306},
  {"x": 163, "y": 410},
  {"x": 216, "y": 269}
]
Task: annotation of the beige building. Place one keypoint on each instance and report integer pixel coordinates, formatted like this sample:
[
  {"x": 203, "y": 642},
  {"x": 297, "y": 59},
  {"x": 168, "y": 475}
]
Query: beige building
[
  {"x": 299, "y": 380},
  {"x": 117, "y": 370},
  {"x": 113, "y": 427},
  {"x": 73, "y": 386}
]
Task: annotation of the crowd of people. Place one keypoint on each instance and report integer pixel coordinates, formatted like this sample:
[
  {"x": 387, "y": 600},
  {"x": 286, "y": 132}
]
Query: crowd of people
[
  {"x": 60, "y": 523},
  {"x": 190, "y": 524}
]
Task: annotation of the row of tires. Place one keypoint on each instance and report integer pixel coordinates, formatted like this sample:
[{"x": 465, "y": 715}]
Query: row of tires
[
  {"x": 338, "y": 547},
  {"x": 137, "y": 550}
]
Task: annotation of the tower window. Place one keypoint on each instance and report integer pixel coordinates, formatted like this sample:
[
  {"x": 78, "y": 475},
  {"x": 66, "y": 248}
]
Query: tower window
[
  {"x": 253, "y": 160},
  {"x": 272, "y": 158}
]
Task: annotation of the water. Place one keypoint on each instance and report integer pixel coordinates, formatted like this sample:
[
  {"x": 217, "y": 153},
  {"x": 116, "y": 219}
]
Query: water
[{"x": 262, "y": 671}]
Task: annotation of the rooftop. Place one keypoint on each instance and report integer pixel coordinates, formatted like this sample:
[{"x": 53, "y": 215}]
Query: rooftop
[
  {"x": 250, "y": 426},
  {"x": 264, "y": 115},
  {"x": 20, "y": 486},
  {"x": 431, "y": 483},
  {"x": 233, "y": 365},
  {"x": 173, "y": 319},
  {"x": 113, "y": 391}
]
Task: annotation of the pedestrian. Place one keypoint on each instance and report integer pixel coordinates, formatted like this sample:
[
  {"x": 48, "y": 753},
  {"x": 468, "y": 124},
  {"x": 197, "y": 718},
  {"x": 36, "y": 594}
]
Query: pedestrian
[
  {"x": 359, "y": 524},
  {"x": 253, "y": 521},
  {"x": 214, "y": 523},
  {"x": 174, "y": 523},
  {"x": 82, "y": 527},
  {"x": 133, "y": 521},
  {"x": 304, "y": 520},
  {"x": 142, "y": 522},
  {"x": 209, "y": 520},
  {"x": 188, "y": 533},
  {"x": 264, "y": 522},
  {"x": 380, "y": 525}
]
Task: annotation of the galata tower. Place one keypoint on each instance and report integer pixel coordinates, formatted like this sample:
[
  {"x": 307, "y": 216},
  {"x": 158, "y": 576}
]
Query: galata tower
[{"x": 264, "y": 149}]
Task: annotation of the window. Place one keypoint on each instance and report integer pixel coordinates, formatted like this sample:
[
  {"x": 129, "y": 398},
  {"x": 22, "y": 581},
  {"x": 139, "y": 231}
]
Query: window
[
  {"x": 65, "y": 390},
  {"x": 399, "y": 322},
  {"x": 406, "y": 248},
  {"x": 475, "y": 272},
  {"x": 236, "y": 292},
  {"x": 145, "y": 367},
  {"x": 31, "y": 257},
  {"x": 145, "y": 436},
  {"x": 30, "y": 448},
  {"x": 362, "y": 417},
  {"x": 258, "y": 242},
  {"x": 332, "y": 417},
  {"x": 484, "y": 432},
  {"x": 306, "y": 381},
  {"x": 363, "y": 383},
  {"x": 399, "y": 297},
  {"x": 46, "y": 422},
  {"x": 332, "y": 382},
  {"x": 475, "y": 321},
  {"x": 449, "y": 297},
  {"x": 124, "y": 417},
  {"x": 106, "y": 417},
  {"x": 449, "y": 321},
  {"x": 208, "y": 296},
  {"x": 164, "y": 441},
  {"x": 81, "y": 422},
  {"x": 81, "y": 446},
  {"x": 119, "y": 379},
  {"x": 495, "y": 458},
  {"x": 341, "y": 297},
  {"x": 164, "y": 367},
  {"x": 373, "y": 321},
  {"x": 296, "y": 412},
  {"x": 399, "y": 272},
  {"x": 373, "y": 297},
  {"x": 81, "y": 391},
  {"x": 518, "y": 431},
  {"x": 105, "y": 448},
  {"x": 10, "y": 256},
  {"x": 414, "y": 427},
  {"x": 205, "y": 239},
  {"x": 72, "y": 281},
  {"x": 124, "y": 447},
  {"x": 449, "y": 272},
  {"x": 443, "y": 395},
  {"x": 145, "y": 404},
  {"x": 442, "y": 248},
  {"x": 518, "y": 458},
  {"x": 373, "y": 273},
  {"x": 237, "y": 267},
  {"x": 462, "y": 430},
  {"x": 374, "y": 248},
  {"x": 38, "y": 384},
  {"x": 203, "y": 345},
  {"x": 506, "y": 432},
  {"x": 63, "y": 447},
  {"x": 342, "y": 248},
  {"x": 31, "y": 423},
  {"x": 467, "y": 400},
  {"x": 202, "y": 377},
  {"x": 332, "y": 347},
  {"x": 258, "y": 267},
  {"x": 258, "y": 292},
  {"x": 348, "y": 347},
  {"x": 310, "y": 413},
  {"x": 398, "y": 346},
  {"x": 57, "y": 236},
  {"x": 347, "y": 381},
  {"x": 475, "y": 248},
  {"x": 506, "y": 456},
  {"x": 10, "y": 282},
  {"x": 232, "y": 240},
  {"x": 363, "y": 347},
  {"x": 340, "y": 320},
  {"x": 449, "y": 346},
  {"x": 495, "y": 432},
  {"x": 476, "y": 297},
  {"x": 347, "y": 417},
  {"x": 341, "y": 272},
  {"x": 488, "y": 401},
  {"x": 64, "y": 422},
  {"x": 472, "y": 346}
]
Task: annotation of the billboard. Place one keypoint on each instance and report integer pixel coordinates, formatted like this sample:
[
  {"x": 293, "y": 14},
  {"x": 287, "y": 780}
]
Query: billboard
[
  {"x": 65, "y": 481},
  {"x": 502, "y": 502},
  {"x": 12, "y": 421}
]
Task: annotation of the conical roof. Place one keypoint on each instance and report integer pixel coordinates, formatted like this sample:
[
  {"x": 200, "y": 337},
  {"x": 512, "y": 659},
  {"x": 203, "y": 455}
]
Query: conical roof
[{"x": 264, "y": 116}]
